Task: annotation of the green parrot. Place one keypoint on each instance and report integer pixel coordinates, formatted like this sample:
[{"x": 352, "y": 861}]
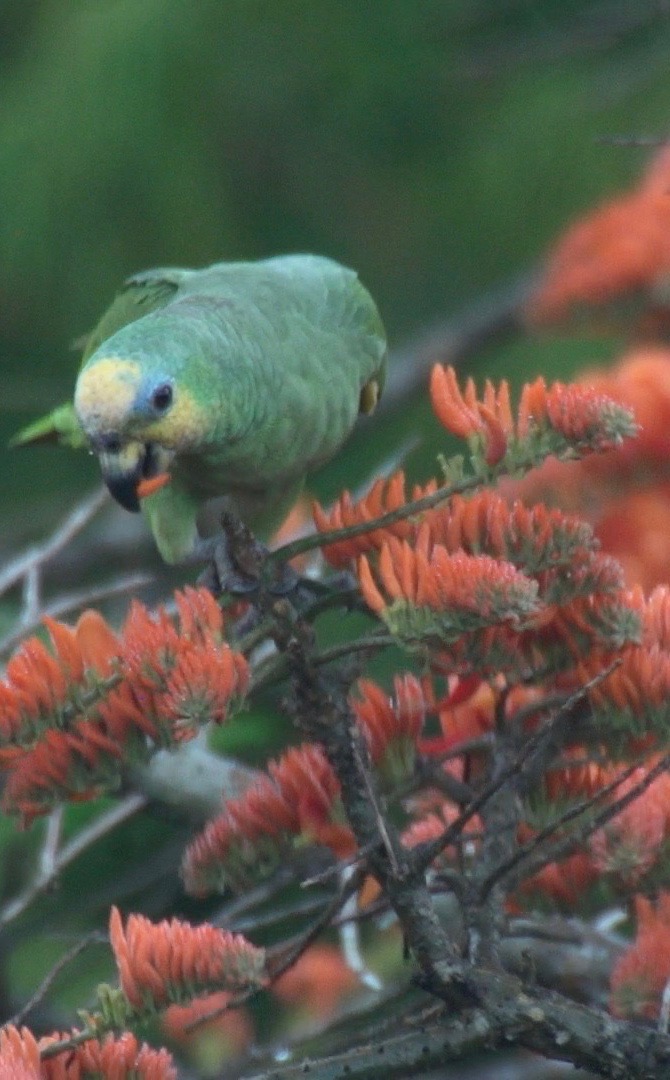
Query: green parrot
[{"x": 238, "y": 379}]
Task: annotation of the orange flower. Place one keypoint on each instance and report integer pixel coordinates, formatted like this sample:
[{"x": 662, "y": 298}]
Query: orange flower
[
  {"x": 299, "y": 798},
  {"x": 200, "y": 617},
  {"x": 150, "y": 644},
  {"x": 391, "y": 725},
  {"x": 582, "y": 779},
  {"x": 582, "y": 419},
  {"x": 385, "y": 495},
  {"x": 317, "y": 982},
  {"x": 465, "y": 416},
  {"x": 98, "y": 644},
  {"x": 563, "y": 882},
  {"x": 178, "y": 677},
  {"x": 466, "y": 712},
  {"x": 624, "y": 493},
  {"x": 71, "y": 715},
  {"x": 639, "y": 977},
  {"x": 172, "y": 961},
  {"x": 232, "y": 1031},
  {"x": 655, "y": 616},
  {"x": 533, "y": 539},
  {"x": 470, "y": 591},
  {"x": 200, "y": 687},
  {"x": 620, "y": 249},
  {"x": 587, "y": 420},
  {"x": 590, "y": 626},
  {"x": 306, "y": 780},
  {"x": 117, "y": 1058},
  {"x": 219, "y": 857},
  {"x": 75, "y": 765},
  {"x": 243, "y": 841},
  {"x": 629, "y": 844},
  {"x": 42, "y": 687},
  {"x": 19, "y": 1054},
  {"x": 640, "y": 380},
  {"x": 433, "y": 824},
  {"x": 640, "y": 686}
]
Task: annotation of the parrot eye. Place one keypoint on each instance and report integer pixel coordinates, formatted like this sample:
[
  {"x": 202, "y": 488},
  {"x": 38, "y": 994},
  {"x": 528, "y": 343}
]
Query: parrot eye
[{"x": 161, "y": 399}]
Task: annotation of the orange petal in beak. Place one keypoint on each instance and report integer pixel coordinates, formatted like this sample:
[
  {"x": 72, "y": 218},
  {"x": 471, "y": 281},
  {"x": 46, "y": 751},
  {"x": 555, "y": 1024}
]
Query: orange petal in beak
[{"x": 152, "y": 484}]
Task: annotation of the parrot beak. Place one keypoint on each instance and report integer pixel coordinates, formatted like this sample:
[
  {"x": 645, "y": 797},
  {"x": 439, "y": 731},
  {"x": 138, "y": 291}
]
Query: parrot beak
[{"x": 124, "y": 465}]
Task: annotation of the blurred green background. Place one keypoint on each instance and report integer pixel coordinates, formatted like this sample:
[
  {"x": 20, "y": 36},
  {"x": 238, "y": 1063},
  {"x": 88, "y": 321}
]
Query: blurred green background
[{"x": 435, "y": 145}]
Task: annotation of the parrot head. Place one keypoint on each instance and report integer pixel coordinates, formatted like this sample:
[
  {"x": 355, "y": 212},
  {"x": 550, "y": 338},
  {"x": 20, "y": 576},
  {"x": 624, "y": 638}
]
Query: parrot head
[{"x": 136, "y": 420}]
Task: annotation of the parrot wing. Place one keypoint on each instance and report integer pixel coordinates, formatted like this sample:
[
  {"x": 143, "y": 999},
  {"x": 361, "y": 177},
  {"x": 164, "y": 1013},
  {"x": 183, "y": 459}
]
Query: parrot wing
[{"x": 139, "y": 295}]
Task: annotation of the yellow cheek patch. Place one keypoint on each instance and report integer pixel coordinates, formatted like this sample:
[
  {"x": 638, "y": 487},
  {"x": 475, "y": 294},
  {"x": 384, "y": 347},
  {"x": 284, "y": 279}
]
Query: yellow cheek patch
[
  {"x": 106, "y": 392},
  {"x": 184, "y": 426}
]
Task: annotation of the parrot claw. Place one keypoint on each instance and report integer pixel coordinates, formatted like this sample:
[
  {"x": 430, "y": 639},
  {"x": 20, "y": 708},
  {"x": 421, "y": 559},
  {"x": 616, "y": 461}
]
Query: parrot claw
[{"x": 239, "y": 564}]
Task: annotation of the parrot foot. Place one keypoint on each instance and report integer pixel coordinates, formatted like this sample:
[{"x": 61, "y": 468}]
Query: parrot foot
[{"x": 238, "y": 563}]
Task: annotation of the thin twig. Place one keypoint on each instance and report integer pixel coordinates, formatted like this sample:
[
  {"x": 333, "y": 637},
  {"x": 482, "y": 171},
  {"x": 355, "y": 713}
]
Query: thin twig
[
  {"x": 73, "y": 601},
  {"x": 275, "y": 666},
  {"x": 37, "y": 556},
  {"x": 94, "y": 937},
  {"x": 52, "y": 839},
  {"x": 84, "y": 839},
  {"x": 230, "y": 914}
]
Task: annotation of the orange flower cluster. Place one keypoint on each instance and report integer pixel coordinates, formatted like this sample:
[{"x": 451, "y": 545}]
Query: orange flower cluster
[
  {"x": 621, "y": 250},
  {"x": 625, "y": 493},
  {"x": 70, "y": 715},
  {"x": 534, "y": 539},
  {"x": 476, "y": 590},
  {"x": 319, "y": 980},
  {"x": 120, "y": 1058},
  {"x": 559, "y": 551},
  {"x": 172, "y": 961},
  {"x": 19, "y": 1054},
  {"x": 231, "y": 1032},
  {"x": 428, "y": 596},
  {"x": 626, "y": 848},
  {"x": 465, "y": 712},
  {"x": 385, "y": 496},
  {"x": 299, "y": 798},
  {"x": 565, "y": 882},
  {"x": 392, "y": 726},
  {"x": 432, "y": 825},
  {"x": 640, "y": 976},
  {"x": 579, "y": 418},
  {"x": 37, "y": 692},
  {"x": 638, "y": 689},
  {"x": 629, "y": 844},
  {"x": 639, "y": 380}
]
